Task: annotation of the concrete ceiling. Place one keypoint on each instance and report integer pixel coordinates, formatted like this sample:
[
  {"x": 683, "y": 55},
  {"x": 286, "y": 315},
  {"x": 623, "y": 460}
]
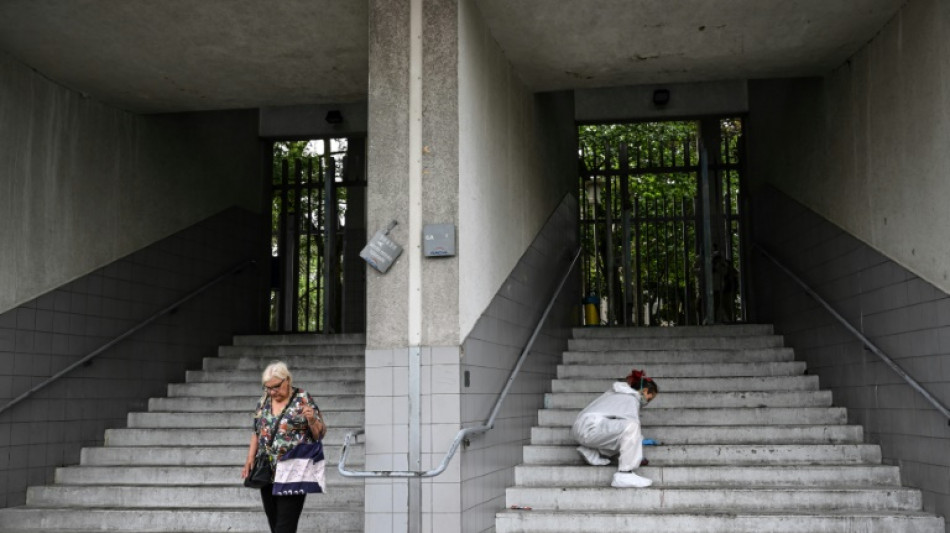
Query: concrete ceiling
[{"x": 184, "y": 55}]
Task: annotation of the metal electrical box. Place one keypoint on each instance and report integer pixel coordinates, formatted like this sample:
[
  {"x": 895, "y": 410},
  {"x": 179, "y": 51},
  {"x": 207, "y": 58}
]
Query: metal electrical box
[
  {"x": 381, "y": 251},
  {"x": 438, "y": 240}
]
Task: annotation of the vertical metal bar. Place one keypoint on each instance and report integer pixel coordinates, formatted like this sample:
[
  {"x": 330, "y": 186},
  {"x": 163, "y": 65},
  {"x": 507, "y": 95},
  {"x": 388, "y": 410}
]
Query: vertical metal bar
[
  {"x": 638, "y": 294},
  {"x": 305, "y": 212},
  {"x": 609, "y": 239},
  {"x": 667, "y": 258},
  {"x": 288, "y": 286},
  {"x": 687, "y": 265},
  {"x": 329, "y": 248},
  {"x": 707, "y": 237},
  {"x": 297, "y": 216},
  {"x": 625, "y": 192}
]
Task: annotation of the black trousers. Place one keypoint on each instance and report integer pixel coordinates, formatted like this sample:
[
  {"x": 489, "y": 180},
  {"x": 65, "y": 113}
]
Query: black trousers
[{"x": 283, "y": 512}]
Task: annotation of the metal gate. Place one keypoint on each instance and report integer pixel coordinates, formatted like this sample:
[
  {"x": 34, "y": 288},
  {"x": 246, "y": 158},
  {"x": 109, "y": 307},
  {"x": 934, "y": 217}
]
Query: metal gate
[
  {"x": 317, "y": 228},
  {"x": 660, "y": 223}
]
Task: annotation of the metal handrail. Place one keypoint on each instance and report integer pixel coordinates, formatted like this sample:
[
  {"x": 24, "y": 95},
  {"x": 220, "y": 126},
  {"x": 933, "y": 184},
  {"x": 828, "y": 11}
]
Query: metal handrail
[
  {"x": 867, "y": 342},
  {"x": 463, "y": 434},
  {"x": 234, "y": 270}
]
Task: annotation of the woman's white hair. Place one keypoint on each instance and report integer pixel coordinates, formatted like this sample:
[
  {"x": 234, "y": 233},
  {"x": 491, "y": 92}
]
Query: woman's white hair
[{"x": 277, "y": 369}]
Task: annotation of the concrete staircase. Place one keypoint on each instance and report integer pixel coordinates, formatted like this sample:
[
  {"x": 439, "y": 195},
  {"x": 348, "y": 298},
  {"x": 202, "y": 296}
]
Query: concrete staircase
[
  {"x": 749, "y": 444},
  {"x": 177, "y": 467}
]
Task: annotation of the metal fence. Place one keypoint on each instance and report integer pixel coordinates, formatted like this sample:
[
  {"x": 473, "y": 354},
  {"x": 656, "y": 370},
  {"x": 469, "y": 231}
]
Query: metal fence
[{"x": 643, "y": 222}]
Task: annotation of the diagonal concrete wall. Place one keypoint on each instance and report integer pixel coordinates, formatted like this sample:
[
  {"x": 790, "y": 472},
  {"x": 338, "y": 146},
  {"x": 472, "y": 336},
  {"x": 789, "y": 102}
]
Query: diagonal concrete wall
[
  {"x": 865, "y": 145},
  {"x": 905, "y": 316},
  {"x": 83, "y": 184}
]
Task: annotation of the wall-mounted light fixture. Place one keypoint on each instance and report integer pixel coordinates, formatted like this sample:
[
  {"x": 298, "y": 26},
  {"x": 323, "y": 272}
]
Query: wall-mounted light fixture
[
  {"x": 661, "y": 97},
  {"x": 334, "y": 117}
]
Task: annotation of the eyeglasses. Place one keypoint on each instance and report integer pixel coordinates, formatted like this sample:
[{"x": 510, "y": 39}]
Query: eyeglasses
[{"x": 275, "y": 387}]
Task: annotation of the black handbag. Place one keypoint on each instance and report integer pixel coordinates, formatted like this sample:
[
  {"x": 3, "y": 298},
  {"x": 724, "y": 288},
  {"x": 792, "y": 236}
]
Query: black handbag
[{"x": 262, "y": 473}]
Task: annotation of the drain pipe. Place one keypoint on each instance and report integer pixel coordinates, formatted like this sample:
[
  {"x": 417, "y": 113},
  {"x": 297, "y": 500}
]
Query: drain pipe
[{"x": 415, "y": 264}]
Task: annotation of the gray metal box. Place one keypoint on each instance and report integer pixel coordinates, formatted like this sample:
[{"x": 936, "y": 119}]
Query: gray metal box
[{"x": 438, "y": 240}]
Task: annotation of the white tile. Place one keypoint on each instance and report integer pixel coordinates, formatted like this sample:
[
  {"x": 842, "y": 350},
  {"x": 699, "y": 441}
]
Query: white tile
[
  {"x": 379, "y": 522},
  {"x": 400, "y": 410},
  {"x": 400, "y": 381},
  {"x": 379, "y": 381},
  {"x": 379, "y": 498},
  {"x": 446, "y": 498},
  {"x": 447, "y": 522},
  {"x": 379, "y": 358},
  {"x": 446, "y": 408},
  {"x": 378, "y": 439},
  {"x": 379, "y": 410},
  {"x": 445, "y": 379}
]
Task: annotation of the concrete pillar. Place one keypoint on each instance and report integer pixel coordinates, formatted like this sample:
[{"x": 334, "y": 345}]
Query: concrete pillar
[{"x": 412, "y": 310}]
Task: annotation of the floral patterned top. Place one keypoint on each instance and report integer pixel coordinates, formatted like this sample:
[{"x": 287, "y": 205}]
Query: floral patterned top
[{"x": 292, "y": 428}]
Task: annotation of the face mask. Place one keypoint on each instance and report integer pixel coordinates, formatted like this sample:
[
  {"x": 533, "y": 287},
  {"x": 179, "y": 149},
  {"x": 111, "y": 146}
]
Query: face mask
[{"x": 643, "y": 400}]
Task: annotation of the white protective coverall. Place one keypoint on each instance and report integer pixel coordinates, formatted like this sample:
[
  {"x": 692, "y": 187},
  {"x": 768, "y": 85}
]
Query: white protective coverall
[{"x": 611, "y": 424}]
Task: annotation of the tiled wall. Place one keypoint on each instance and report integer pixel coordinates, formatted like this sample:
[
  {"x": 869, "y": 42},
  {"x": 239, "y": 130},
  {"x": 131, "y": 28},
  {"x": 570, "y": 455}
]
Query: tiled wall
[
  {"x": 906, "y": 317},
  {"x": 492, "y": 349},
  {"x": 49, "y": 333}
]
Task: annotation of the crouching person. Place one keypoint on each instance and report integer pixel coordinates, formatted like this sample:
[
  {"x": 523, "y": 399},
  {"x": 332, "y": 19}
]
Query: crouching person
[{"x": 611, "y": 424}]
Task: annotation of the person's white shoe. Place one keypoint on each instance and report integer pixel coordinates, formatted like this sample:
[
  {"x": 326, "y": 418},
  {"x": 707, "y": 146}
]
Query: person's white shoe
[
  {"x": 625, "y": 480},
  {"x": 592, "y": 456}
]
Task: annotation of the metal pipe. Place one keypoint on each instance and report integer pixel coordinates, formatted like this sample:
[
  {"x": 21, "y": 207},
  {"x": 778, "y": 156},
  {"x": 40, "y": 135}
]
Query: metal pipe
[
  {"x": 867, "y": 342},
  {"x": 463, "y": 433},
  {"x": 113, "y": 342}
]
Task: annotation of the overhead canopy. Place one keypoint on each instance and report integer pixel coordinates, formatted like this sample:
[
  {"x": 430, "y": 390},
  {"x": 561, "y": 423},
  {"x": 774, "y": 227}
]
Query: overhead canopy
[{"x": 185, "y": 55}]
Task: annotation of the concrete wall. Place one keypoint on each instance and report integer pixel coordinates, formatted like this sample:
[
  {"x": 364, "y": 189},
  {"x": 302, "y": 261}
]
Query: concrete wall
[
  {"x": 865, "y": 146},
  {"x": 904, "y": 315},
  {"x": 489, "y": 354},
  {"x": 516, "y": 162},
  {"x": 45, "y": 335},
  {"x": 82, "y": 184},
  {"x": 687, "y": 100}
]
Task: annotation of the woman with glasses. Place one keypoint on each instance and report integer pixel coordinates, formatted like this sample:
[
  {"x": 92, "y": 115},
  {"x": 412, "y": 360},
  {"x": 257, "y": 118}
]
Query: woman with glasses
[{"x": 286, "y": 416}]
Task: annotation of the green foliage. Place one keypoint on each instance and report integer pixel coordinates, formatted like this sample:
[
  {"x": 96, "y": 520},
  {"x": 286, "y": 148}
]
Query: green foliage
[{"x": 298, "y": 176}]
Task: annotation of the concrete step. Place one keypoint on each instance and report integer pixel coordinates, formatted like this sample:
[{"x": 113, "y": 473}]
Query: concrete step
[
  {"x": 227, "y": 476},
  {"x": 709, "y": 476},
  {"x": 227, "y": 420},
  {"x": 691, "y": 384},
  {"x": 348, "y": 497},
  {"x": 675, "y": 343},
  {"x": 724, "y": 454},
  {"x": 270, "y": 352},
  {"x": 294, "y": 362},
  {"x": 670, "y": 435},
  {"x": 688, "y": 370},
  {"x": 221, "y": 390},
  {"x": 298, "y": 339},
  {"x": 245, "y": 404},
  {"x": 322, "y": 375},
  {"x": 697, "y": 499},
  {"x": 191, "y": 455},
  {"x": 716, "y": 521},
  {"x": 719, "y": 330},
  {"x": 207, "y": 437},
  {"x": 137, "y": 520},
  {"x": 709, "y": 400},
  {"x": 714, "y": 417},
  {"x": 646, "y": 357}
]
